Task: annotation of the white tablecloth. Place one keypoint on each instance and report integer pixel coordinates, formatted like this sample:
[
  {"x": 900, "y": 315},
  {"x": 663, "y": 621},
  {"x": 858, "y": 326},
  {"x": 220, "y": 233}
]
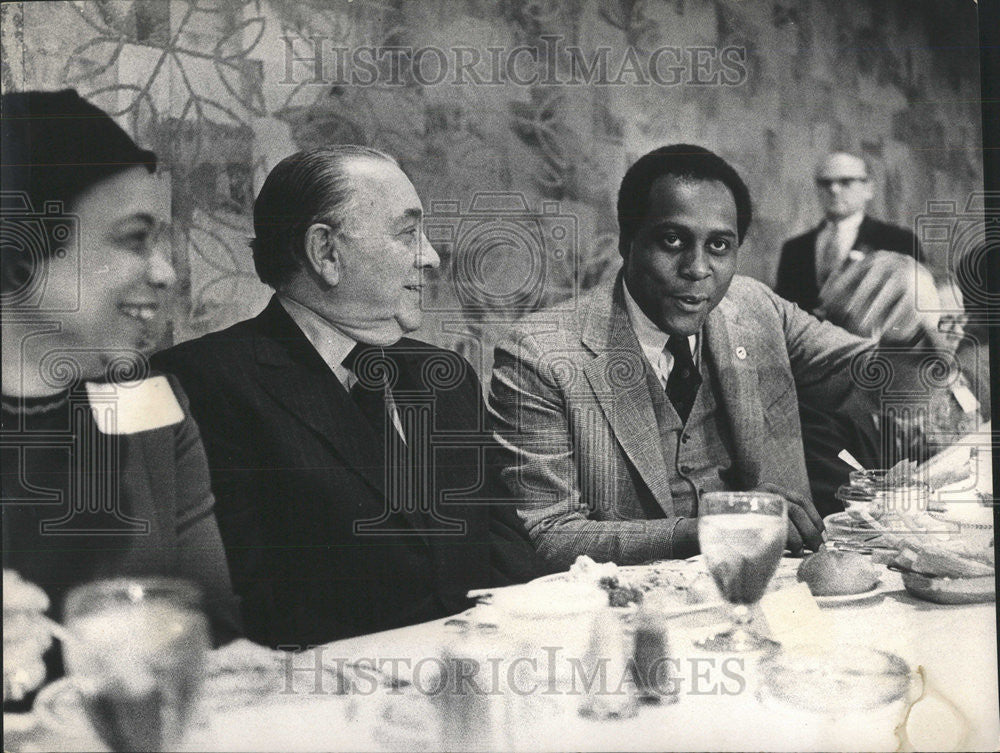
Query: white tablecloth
[{"x": 720, "y": 705}]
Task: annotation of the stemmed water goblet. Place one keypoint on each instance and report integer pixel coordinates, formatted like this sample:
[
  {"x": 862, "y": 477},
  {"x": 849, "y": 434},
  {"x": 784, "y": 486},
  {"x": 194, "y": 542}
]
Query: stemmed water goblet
[
  {"x": 137, "y": 657},
  {"x": 742, "y": 536}
]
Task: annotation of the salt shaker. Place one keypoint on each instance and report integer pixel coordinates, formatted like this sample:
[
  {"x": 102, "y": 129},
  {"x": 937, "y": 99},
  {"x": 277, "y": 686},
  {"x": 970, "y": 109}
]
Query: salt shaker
[
  {"x": 609, "y": 693},
  {"x": 651, "y": 659}
]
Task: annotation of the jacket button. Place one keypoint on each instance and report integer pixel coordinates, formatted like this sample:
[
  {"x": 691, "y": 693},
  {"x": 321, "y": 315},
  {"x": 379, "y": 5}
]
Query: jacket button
[
  {"x": 685, "y": 437},
  {"x": 685, "y": 469}
]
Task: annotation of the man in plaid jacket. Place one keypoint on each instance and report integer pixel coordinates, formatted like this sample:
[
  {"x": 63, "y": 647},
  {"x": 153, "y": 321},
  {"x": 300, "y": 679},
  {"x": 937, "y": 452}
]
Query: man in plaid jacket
[{"x": 674, "y": 379}]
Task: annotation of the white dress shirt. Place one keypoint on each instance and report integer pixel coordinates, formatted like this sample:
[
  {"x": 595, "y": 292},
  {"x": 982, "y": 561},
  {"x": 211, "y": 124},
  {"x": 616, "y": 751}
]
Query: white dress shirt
[
  {"x": 843, "y": 233},
  {"x": 333, "y": 347},
  {"x": 653, "y": 340}
]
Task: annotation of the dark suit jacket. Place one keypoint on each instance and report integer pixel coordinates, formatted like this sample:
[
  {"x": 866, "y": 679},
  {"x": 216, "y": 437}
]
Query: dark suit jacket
[
  {"x": 296, "y": 468},
  {"x": 797, "y": 265}
]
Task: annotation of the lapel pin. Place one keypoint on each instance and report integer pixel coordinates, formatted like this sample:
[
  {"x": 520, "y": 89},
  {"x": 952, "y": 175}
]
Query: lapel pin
[{"x": 741, "y": 353}]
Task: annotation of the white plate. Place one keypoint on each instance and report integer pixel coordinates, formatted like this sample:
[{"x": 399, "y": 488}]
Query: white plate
[
  {"x": 784, "y": 577},
  {"x": 951, "y": 590},
  {"x": 842, "y": 523},
  {"x": 671, "y": 578},
  {"x": 787, "y": 579},
  {"x": 874, "y": 591}
]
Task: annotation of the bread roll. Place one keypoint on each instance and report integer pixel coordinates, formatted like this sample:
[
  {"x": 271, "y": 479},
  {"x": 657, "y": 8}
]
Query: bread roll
[{"x": 833, "y": 573}]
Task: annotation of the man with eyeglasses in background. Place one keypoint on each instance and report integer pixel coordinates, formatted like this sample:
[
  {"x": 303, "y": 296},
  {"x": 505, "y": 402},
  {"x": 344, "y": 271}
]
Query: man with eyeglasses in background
[
  {"x": 847, "y": 234},
  {"x": 855, "y": 271}
]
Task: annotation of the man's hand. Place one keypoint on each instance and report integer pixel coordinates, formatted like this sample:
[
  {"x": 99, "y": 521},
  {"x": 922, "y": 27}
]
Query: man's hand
[
  {"x": 805, "y": 524},
  {"x": 876, "y": 296},
  {"x": 25, "y": 636}
]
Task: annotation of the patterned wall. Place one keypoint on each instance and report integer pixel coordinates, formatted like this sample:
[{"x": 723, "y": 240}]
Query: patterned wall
[{"x": 519, "y": 171}]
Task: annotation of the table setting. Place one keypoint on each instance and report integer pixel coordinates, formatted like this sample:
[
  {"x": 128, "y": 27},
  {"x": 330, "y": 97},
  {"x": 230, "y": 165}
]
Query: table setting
[{"x": 884, "y": 639}]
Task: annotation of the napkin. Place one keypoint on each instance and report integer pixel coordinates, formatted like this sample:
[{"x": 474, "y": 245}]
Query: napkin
[{"x": 795, "y": 618}]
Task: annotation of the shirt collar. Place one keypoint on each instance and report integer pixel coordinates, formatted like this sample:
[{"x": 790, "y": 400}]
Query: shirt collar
[
  {"x": 331, "y": 344},
  {"x": 651, "y": 338}
]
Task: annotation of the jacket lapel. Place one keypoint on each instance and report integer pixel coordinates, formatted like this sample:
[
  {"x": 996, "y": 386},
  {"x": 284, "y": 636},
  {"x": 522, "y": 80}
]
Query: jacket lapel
[
  {"x": 292, "y": 372},
  {"x": 618, "y": 377},
  {"x": 730, "y": 349},
  {"x": 808, "y": 260},
  {"x": 865, "y": 241}
]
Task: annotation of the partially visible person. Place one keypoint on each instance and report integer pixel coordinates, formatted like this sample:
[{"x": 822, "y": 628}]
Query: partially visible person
[
  {"x": 350, "y": 462},
  {"x": 861, "y": 274},
  {"x": 675, "y": 379},
  {"x": 104, "y": 473},
  {"x": 847, "y": 232},
  {"x": 954, "y": 407},
  {"x": 25, "y": 636},
  {"x": 943, "y": 408},
  {"x": 970, "y": 275}
]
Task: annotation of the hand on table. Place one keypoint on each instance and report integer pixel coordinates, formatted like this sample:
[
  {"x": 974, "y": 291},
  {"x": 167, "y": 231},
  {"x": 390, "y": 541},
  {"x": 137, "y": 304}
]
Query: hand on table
[
  {"x": 805, "y": 524},
  {"x": 885, "y": 295},
  {"x": 903, "y": 473},
  {"x": 25, "y": 636}
]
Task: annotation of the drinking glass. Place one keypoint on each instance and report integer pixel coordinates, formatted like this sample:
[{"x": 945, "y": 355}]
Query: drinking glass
[
  {"x": 742, "y": 536},
  {"x": 884, "y": 494},
  {"x": 137, "y": 656}
]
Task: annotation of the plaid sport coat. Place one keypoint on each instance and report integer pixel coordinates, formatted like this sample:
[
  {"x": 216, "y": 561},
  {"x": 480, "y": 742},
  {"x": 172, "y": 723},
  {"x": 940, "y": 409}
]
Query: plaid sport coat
[{"x": 579, "y": 442}]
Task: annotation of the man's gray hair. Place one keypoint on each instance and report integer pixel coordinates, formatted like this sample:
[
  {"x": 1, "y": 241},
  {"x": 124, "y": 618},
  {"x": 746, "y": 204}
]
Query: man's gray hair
[{"x": 304, "y": 188}]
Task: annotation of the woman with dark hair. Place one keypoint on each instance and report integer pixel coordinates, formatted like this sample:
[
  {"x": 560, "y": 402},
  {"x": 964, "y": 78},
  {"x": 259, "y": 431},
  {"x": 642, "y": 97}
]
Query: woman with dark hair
[{"x": 104, "y": 473}]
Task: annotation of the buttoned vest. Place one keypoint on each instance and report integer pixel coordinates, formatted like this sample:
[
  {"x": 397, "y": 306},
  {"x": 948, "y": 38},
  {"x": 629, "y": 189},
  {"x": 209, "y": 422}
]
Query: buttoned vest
[{"x": 697, "y": 454}]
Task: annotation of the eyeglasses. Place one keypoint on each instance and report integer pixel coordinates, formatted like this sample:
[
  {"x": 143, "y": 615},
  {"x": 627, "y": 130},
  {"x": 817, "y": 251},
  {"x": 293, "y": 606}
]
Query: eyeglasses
[
  {"x": 952, "y": 323},
  {"x": 843, "y": 182}
]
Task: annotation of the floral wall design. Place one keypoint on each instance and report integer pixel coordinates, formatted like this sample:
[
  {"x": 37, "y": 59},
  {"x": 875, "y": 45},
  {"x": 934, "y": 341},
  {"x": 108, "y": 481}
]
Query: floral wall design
[{"x": 519, "y": 179}]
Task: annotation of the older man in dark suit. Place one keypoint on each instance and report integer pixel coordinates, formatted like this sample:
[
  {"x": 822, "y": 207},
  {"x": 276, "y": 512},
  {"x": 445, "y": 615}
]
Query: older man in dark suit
[
  {"x": 828, "y": 271},
  {"x": 674, "y": 379},
  {"x": 809, "y": 260},
  {"x": 349, "y": 463}
]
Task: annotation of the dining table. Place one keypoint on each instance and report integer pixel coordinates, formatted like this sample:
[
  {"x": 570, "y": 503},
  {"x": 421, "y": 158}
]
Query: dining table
[
  {"x": 472, "y": 682},
  {"x": 720, "y": 704}
]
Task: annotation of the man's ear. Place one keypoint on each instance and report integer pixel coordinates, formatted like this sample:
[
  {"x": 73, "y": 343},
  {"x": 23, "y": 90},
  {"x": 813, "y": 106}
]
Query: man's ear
[{"x": 323, "y": 252}]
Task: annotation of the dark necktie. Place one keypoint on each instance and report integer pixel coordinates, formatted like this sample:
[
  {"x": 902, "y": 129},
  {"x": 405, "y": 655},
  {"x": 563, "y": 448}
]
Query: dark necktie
[
  {"x": 405, "y": 477},
  {"x": 367, "y": 394},
  {"x": 684, "y": 379},
  {"x": 828, "y": 259}
]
